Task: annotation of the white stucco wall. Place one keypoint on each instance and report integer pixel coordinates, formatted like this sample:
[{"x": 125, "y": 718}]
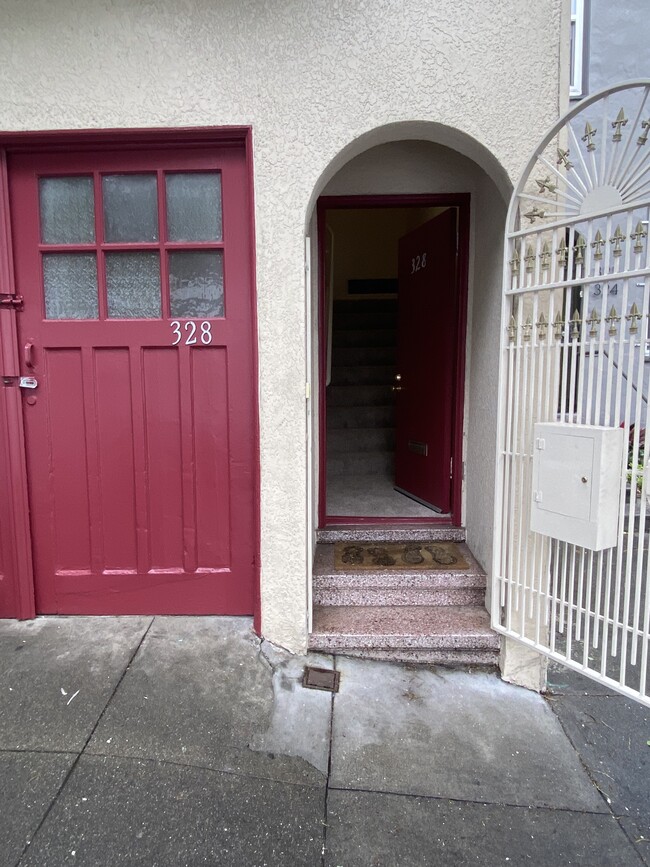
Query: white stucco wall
[{"x": 312, "y": 79}]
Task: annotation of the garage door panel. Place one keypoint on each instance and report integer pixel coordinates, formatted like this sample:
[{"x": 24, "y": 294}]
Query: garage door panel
[{"x": 141, "y": 453}]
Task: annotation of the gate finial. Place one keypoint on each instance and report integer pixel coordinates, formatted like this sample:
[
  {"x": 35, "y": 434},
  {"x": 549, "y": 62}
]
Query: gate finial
[
  {"x": 590, "y": 132},
  {"x": 598, "y": 243},
  {"x": 638, "y": 235},
  {"x": 620, "y": 121}
]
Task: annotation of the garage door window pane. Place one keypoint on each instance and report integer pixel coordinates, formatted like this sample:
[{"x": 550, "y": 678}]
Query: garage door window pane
[
  {"x": 194, "y": 206},
  {"x": 133, "y": 285},
  {"x": 67, "y": 210},
  {"x": 196, "y": 284},
  {"x": 70, "y": 282},
  {"x": 130, "y": 208}
]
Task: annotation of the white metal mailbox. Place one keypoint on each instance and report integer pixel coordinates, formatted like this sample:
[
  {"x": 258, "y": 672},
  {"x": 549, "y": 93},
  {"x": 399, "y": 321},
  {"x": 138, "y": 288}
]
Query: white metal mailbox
[{"x": 577, "y": 483}]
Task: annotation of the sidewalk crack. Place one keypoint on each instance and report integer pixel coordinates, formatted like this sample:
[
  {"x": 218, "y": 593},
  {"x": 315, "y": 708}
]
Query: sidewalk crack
[
  {"x": 329, "y": 775},
  {"x": 86, "y": 742}
]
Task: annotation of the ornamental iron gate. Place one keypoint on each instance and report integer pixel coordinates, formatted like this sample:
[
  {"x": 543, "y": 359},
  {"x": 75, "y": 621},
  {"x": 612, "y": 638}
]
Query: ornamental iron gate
[{"x": 572, "y": 489}]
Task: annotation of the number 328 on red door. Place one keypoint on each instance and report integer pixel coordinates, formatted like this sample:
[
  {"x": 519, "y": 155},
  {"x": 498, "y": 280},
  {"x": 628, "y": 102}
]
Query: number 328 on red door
[{"x": 190, "y": 329}]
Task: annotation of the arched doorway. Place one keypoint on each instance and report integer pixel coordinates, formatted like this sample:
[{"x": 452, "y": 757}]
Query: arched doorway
[{"x": 390, "y": 194}]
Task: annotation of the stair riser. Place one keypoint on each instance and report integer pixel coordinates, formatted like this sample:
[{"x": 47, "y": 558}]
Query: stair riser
[
  {"x": 362, "y": 439},
  {"x": 394, "y": 533},
  {"x": 356, "y": 395},
  {"x": 370, "y": 375},
  {"x": 364, "y": 320},
  {"x": 345, "y": 417},
  {"x": 363, "y": 356},
  {"x": 451, "y": 658},
  {"x": 333, "y": 643},
  {"x": 393, "y": 596},
  {"x": 360, "y": 337},
  {"x": 359, "y": 463}
]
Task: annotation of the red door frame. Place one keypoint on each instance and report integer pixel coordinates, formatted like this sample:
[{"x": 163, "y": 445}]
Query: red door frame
[
  {"x": 423, "y": 200},
  {"x": 89, "y": 140}
]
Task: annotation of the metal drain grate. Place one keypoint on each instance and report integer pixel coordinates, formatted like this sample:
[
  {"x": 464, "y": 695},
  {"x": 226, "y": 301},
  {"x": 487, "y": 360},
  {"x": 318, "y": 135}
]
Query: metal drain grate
[{"x": 321, "y": 678}]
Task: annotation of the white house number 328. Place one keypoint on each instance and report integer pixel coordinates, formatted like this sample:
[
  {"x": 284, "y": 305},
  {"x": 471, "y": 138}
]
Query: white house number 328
[
  {"x": 418, "y": 263},
  {"x": 190, "y": 328}
]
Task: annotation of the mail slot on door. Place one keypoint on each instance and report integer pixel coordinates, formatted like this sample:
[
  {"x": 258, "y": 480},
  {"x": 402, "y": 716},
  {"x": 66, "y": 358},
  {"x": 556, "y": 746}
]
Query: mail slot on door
[{"x": 577, "y": 472}]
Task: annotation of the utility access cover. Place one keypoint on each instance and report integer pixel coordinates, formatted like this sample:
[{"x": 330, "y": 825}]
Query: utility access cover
[{"x": 321, "y": 678}]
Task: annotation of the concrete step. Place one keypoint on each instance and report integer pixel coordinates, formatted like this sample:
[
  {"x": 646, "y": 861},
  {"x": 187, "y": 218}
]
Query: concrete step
[
  {"x": 372, "y": 374},
  {"x": 474, "y": 659},
  {"x": 459, "y": 634},
  {"x": 391, "y": 533},
  {"x": 348, "y": 440},
  {"x": 382, "y": 587},
  {"x": 360, "y": 416}
]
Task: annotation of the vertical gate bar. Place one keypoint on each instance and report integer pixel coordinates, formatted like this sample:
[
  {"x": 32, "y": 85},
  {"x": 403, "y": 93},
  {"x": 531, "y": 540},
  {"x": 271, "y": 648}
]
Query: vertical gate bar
[
  {"x": 506, "y": 450},
  {"x": 620, "y": 407},
  {"x": 601, "y": 174},
  {"x": 520, "y": 445},
  {"x": 534, "y": 598},
  {"x": 580, "y": 399},
  {"x": 639, "y": 580},
  {"x": 621, "y": 172},
  {"x": 629, "y": 552},
  {"x": 546, "y": 414},
  {"x": 513, "y": 468},
  {"x": 570, "y": 625}
]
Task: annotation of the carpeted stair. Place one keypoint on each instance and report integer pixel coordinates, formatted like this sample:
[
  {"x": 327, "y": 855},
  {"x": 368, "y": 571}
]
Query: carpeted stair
[{"x": 360, "y": 404}]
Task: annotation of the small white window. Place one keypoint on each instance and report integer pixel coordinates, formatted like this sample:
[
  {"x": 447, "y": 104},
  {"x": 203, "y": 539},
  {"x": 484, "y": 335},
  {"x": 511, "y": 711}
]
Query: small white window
[{"x": 577, "y": 47}]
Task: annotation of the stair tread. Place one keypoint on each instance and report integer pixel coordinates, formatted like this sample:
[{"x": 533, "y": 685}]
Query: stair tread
[
  {"x": 390, "y": 533},
  {"x": 461, "y": 626},
  {"x": 324, "y": 567}
]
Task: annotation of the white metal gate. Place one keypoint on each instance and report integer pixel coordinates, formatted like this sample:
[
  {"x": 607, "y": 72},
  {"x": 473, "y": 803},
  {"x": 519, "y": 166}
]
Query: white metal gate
[{"x": 575, "y": 351}]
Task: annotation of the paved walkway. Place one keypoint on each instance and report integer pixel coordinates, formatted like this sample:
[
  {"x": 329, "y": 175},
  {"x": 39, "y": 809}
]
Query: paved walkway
[{"x": 186, "y": 741}]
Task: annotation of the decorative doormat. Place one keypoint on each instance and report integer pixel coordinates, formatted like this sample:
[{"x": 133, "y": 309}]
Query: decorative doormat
[{"x": 398, "y": 555}]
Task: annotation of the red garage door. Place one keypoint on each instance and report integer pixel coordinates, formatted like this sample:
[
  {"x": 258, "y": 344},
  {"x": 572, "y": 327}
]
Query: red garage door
[{"x": 137, "y": 328}]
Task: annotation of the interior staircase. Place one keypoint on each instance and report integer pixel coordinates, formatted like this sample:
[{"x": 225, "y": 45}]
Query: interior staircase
[
  {"x": 435, "y": 617},
  {"x": 360, "y": 403}
]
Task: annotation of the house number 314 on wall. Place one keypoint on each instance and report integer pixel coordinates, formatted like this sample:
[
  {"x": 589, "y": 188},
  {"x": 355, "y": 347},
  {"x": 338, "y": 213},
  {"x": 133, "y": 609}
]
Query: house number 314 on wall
[
  {"x": 191, "y": 337},
  {"x": 418, "y": 263}
]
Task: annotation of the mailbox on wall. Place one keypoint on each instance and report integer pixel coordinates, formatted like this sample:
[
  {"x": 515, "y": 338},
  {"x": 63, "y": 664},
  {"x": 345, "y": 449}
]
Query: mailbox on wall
[{"x": 577, "y": 473}]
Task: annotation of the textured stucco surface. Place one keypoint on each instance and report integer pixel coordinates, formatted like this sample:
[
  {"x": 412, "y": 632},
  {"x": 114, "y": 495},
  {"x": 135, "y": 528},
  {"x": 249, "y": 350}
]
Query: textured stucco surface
[{"x": 312, "y": 79}]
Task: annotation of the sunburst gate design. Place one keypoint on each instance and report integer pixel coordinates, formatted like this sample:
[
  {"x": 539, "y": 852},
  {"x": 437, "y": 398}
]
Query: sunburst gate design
[
  {"x": 594, "y": 164},
  {"x": 575, "y": 350}
]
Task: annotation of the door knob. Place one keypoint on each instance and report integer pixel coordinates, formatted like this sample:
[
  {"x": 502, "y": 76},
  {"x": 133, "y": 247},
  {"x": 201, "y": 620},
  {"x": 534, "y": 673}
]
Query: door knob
[{"x": 398, "y": 380}]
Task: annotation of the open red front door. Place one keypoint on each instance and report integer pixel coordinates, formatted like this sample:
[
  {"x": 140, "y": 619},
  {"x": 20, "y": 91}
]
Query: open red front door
[
  {"x": 426, "y": 361},
  {"x": 137, "y": 330}
]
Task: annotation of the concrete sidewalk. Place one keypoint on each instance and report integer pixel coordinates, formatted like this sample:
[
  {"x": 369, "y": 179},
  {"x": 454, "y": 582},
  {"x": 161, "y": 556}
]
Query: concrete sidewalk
[{"x": 187, "y": 741}]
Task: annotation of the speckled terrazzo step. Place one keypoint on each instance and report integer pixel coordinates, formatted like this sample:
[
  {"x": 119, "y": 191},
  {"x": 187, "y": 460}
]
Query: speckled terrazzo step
[
  {"x": 460, "y": 634},
  {"x": 391, "y": 533},
  {"x": 391, "y": 587},
  {"x": 453, "y": 658}
]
